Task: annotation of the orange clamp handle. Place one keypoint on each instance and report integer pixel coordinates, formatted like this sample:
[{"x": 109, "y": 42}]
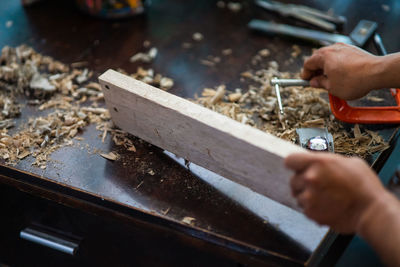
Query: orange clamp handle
[{"x": 366, "y": 115}]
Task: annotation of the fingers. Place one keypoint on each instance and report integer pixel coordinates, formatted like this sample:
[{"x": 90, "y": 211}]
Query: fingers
[
  {"x": 307, "y": 179},
  {"x": 299, "y": 161},
  {"x": 306, "y": 74},
  {"x": 312, "y": 64},
  {"x": 297, "y": 184},
  {"x": 303, "y": 199},
  {"x": 320, "y": 81}
]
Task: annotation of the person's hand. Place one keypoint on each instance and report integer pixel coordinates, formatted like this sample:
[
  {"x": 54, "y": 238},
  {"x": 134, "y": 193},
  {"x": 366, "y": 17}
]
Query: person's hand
[
  {"x": 332, "y": 189},
  {"x": 344, "y": 70}
]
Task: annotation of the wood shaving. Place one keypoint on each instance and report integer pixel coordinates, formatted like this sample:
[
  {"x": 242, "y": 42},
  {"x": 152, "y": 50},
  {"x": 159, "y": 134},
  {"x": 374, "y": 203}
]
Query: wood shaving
[
  {"x": 234, "y": 6},
  {"x": 197, "y": 36},
  {"x": 165, "y": 212},
  {"x": 166, "y": 83},
  {"x": 110, "y": 156},
  {"x": 188, "y": 220},
  {"x": 145, "y": 57},
  {"x": 219, "y": 94},
  {"x": 234, "y": 97},
  {"x": 375, "y": 99},
  {"x": 227, "y": 52},
  {"x": 264, "y": 52},
  {"x": 207, "y": 62},
  {"x": 148, "y": 76}
]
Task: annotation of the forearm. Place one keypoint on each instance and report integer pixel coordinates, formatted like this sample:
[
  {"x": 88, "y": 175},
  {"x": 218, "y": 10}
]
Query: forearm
[
  {"x": 388, "y": 74},
  {"x": 380, "y": 227}
]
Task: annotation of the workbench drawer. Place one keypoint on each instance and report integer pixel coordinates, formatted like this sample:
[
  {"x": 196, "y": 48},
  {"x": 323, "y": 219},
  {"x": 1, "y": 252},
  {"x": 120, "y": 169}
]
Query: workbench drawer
[{"x": 101, "y": 241}]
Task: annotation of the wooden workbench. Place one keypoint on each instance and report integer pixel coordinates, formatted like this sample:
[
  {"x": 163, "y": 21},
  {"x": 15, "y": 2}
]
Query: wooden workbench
[{"x": 100, "y": 201}]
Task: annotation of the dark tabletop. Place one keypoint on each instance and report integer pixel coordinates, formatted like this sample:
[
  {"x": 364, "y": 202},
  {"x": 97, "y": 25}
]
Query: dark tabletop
[{"x": 58, "y": 29}]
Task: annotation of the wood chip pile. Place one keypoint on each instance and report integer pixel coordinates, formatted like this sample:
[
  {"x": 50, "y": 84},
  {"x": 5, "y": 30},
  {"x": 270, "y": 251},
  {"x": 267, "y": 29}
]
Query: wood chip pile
[{"x": 65, "y": 96}]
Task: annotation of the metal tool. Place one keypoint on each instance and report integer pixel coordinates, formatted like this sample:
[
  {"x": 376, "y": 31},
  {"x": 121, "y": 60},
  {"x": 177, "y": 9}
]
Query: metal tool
[
  {"x": 304, "y": 13},
  {"x": 275, "y": 83},
  {"x": 284, "y": 83},
  {"x": 289, "y": 82},
  {"x": 315, "y": 139},
  {"x": 359, "y": 36}
]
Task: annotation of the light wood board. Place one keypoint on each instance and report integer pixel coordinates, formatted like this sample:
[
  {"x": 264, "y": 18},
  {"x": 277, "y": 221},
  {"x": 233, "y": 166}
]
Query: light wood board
[{"x": 236, "y": 151}]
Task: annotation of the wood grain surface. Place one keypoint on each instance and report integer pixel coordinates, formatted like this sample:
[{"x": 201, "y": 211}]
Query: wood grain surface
[{"x": 234, "y": 150}]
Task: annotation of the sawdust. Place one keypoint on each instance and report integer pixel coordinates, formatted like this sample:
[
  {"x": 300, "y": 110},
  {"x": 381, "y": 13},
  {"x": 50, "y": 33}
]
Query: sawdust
[{"x": 65, "y": 99}]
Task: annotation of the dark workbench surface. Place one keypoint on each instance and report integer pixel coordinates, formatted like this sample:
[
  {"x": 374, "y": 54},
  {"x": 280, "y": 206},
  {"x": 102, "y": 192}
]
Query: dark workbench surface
[{"x": 58, "y": 29}]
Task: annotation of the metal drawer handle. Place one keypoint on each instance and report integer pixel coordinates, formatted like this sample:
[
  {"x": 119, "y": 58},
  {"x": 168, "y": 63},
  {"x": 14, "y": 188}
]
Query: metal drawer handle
[{"x": 48, "y": 240}]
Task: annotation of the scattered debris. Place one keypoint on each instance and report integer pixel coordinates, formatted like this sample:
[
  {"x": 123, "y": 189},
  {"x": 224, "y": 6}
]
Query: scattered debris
[
  {"x": 58, "y": 91},
  {"x": 186, "y": 45},
  {"x": 145, "y": 57},
  {"x": 221, "y": 4},
  {"x": 210, "y": 61},
  {"x": 375, "y": 99},
  {"x": 296, "y": 51},
  {"x": 233, "y": 97},
  {"x": 259, "y": 57},
  {"x": 197, "y": 36},
  {"x": 227, "y": 52},
  {"x": 207, "y": 62},
  {"x": 385, "y": 8},
  {"x": 148, "y": 76},
  {"x": 139, "y": 185},
  {"x": 166, "y": 83},
  {"x": 146, "y": 44},
  {"x": 219, "y": 94},
  {"x": 120, "y": 138},
  {"x": 41, "y": 83},
  {"x": 234, "y": 6},
  {"x": 79, "y": 64},
  {"x": 165, "y": 212},
  {"x": 188, "y": 220},
  {"x": 83, "y": 77},
  {"x": 264, "y": 52},
  {"x": 304, "y": 107},
  {"x": 6, "y": 124},
  {"x": 110, "y": 156},
  {"x": 9, "y": 23}
]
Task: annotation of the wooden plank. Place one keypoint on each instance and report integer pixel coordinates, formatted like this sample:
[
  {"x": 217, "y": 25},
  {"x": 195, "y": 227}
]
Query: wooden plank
[{"x": 236, "y": 151}]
